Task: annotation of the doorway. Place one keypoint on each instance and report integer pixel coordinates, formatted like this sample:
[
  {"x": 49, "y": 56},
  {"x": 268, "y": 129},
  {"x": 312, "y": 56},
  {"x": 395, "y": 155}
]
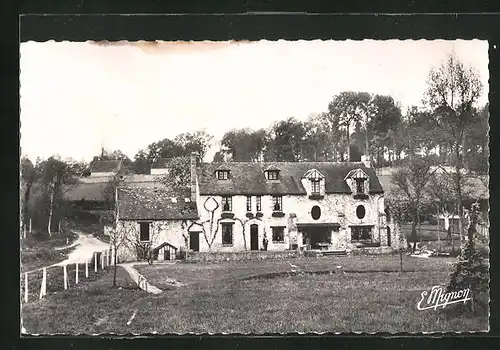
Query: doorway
[
  {"x": 319, "y": 237},
  {"x": 254, "y": 237},
  {"x": 194, "y": 241}
]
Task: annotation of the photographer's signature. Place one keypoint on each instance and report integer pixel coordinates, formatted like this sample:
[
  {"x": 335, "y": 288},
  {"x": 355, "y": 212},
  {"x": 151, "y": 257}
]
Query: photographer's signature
[{"x": 437, "y": 297}]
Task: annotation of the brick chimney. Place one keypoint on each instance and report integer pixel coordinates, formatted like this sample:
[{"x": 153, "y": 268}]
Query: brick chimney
[{"x": 193, "y": 159}]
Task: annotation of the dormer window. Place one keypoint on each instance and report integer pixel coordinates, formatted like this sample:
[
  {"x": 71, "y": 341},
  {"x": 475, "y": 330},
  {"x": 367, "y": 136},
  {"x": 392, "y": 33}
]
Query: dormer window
[
  {"x": 222, "y": 174},
  {"x": 360, "y": 186},
  {"x": 272, "y": 174},
  {"x": 314, "y": 182},
  {"x": 358, "y": 183},
  {"x": 315, "y": 187}
]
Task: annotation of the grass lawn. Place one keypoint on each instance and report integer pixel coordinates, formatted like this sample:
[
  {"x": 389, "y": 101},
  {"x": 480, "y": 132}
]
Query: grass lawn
[
  {"x": 83, "y": 307},
  {"x": 371, "y": 295},
  {"x": 37, "y": 249}
]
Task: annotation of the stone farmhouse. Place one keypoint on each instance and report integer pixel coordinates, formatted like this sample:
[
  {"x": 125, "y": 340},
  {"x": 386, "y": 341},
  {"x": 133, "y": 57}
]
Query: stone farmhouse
[{"x": 244, "y": 206}]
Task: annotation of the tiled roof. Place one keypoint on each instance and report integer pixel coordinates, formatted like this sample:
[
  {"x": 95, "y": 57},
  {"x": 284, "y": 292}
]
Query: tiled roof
[
  {"x": 155, "y": 203},
  {"x": 88, "y": 191},
  {"x": 106, "y": 166},
  {"x": 249, "y": 179}
]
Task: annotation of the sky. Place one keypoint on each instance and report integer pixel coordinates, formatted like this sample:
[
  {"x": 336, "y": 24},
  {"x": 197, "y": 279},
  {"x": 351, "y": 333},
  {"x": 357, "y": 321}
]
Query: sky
[{"x": 77, "y": 97}]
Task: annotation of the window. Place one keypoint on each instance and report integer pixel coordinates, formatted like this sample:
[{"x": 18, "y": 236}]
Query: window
[
  {"x": 316, "y": 212},
  {"x": 361, "y": 233},
  {"x": 227, "y": 233},
  {"x": 223, "y": 174},
  {"x": 360, "y": 186},
  {"x": 315, "y": 186},
  {"x": 249, "y": 203},
  {"x": 277, "y": 203},
  {"x": 258, "y": 199},
  {"x": 278, "y": 234},
  {"x": 144, "y": 231},
  {"x": 272, "y": 174},
  {"x": 360, "y": 212},
  {"x": 227, "y": 203}
]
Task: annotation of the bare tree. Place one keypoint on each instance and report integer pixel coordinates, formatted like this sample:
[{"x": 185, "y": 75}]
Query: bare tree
[
  {"x": 51, "y": 207},
  {"x": 452, "y": 94},
  {"x": 143, "y": 248},
  {"x": 118, "y": 233},
  {"x": 410, "y": 185},
  {"x": 440, "y": 190},
  {"x": 399, "y": 208}
]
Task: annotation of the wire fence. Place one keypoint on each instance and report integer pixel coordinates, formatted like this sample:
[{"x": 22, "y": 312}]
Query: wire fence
[{"x": 36, "y": 284}]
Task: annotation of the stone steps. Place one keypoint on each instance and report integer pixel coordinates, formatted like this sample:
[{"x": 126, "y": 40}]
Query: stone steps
[
  {"x": 319, "y": 253},
  {"x": 334, "y": 253}
]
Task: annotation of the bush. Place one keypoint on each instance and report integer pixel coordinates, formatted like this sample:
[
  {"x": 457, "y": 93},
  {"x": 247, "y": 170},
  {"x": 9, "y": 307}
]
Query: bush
[{"x": 471, "y": 272}]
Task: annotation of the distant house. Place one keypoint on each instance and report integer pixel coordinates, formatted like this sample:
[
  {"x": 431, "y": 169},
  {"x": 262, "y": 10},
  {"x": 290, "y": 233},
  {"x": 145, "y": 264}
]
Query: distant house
[
  {"x": 237, "y": 206},
  {"x": 160, "y": 167},
  {"x": 104, "y": 168}
]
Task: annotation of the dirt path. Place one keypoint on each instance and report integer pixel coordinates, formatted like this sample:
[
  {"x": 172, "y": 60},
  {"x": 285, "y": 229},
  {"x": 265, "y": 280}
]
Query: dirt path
[
  {"x": 140, "y": 279},
  {"x": 85, "y": 247}
]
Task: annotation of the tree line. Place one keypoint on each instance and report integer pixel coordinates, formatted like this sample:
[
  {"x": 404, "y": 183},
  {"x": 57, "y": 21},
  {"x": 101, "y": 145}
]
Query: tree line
[{"x": 353, "y": 123}]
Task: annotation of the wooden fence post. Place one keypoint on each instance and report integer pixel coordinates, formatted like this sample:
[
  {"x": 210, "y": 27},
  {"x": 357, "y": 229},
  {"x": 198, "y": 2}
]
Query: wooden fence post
[
  {"x": 109, "y": 256},
  {"x": 76, "y": 273},
  {"x": 95, "y": 262},
  {"x": 43, "y": 289},
  {"x": 26, "y": 287},
  {"x": 65, "y": 277},
  {"x": 86, "y": 269}
]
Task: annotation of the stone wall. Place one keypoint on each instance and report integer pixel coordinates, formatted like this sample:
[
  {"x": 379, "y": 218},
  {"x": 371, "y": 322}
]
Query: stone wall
[
  {"x": 373, "y": 251},
  {"x": 240, "y": 256}
]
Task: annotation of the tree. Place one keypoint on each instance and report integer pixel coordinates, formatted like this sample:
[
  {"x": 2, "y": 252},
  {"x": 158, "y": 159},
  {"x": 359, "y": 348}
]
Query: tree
[
  {"x": 28, "y": 177},
  {"x": 218, "y": 157},
  {"x": 328, "y": 135},
  {"x": 143, "y": 249},
  {"x": 476, "y": 144},
  {"x": 470, "y": 272},
  {"x": 347, "y": 108},
  {"x": 118, "y": 233},
  {"x": 288, "y": 141},
  {"x": 354, "y": 153},
  {"x": 452, "y": 93},
  {"x": 179, "y": 174},
  {"x": 385, "y": 119},
  {"x": 439, "y": 190},
  {"x": 165, "y": 148},
  {"x": 410, "y": 184},
  {"x": 399, "y": 208},
  {"x": 319, "y": 139},
  {"x": 54, "y": 173},
  {"x": 244, "y": 145},
  {"x": 141, "y": 163},
  {"x": 198, "y": 141}
]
